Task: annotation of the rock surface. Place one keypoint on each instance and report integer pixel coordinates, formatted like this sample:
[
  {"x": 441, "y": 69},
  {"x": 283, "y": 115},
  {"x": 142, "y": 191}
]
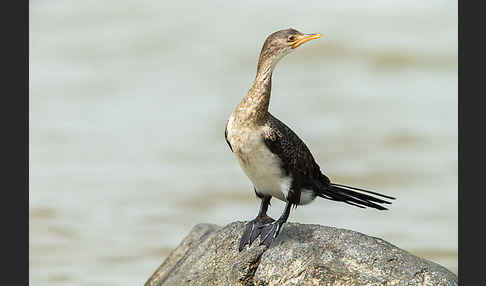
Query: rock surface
[{"x": 302, "y": 255}]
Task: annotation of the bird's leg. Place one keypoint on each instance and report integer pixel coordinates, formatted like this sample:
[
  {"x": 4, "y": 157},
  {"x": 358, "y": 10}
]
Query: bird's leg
[
  {"x": 253, "y": 228},
  {"x": 270, "y": 231}
]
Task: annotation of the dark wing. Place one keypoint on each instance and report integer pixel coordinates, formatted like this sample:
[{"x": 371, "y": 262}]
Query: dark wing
[
  {"x": 226, "y": 136},
  {"x": 296, "y": 158},
  {"x": 297, "y": 161}
]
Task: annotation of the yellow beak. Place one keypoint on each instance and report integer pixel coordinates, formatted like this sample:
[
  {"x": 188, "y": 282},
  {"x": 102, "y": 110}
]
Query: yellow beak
[{"x": 304, "y": 38}]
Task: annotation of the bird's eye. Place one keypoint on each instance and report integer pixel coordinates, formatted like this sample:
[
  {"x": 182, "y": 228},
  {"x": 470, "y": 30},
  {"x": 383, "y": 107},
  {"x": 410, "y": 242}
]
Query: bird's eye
[{"x": 291, "y": 38}]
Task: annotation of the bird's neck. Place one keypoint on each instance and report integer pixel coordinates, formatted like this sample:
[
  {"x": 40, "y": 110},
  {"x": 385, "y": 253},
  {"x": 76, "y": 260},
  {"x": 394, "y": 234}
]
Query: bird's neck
[{"x": 254, "y": 106}]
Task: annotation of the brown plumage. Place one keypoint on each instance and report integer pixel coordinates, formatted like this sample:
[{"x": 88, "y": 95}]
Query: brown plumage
[
  {"x": 293, "y": 152},
  {"x": 275, "y": 159}
]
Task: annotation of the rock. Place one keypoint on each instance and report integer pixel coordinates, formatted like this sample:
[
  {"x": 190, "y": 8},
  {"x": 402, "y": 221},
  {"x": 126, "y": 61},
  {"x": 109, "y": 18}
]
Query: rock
[{"x": 302, "y": 255}]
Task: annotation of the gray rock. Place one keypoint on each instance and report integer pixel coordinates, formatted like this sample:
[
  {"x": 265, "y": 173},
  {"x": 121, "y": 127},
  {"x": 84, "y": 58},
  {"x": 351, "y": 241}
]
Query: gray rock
[{"x": 302, "y": 255}]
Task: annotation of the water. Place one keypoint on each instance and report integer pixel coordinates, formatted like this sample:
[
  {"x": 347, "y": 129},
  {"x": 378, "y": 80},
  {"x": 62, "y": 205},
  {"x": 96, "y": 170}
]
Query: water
[{"x": 129, "y": 99}]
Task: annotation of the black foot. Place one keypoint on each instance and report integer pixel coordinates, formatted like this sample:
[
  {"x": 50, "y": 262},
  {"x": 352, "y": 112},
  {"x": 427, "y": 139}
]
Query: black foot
[
  {"x": 253, "y": 229},
  {"x": 270, "y": 231}
]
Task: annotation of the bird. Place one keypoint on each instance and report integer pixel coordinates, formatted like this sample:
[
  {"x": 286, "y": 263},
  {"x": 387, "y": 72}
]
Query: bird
[{"x": 274, "y": 158}]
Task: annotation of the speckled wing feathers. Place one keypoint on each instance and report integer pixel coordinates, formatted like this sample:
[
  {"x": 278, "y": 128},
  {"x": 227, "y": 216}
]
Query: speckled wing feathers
[{"x": 296, "y": 158}]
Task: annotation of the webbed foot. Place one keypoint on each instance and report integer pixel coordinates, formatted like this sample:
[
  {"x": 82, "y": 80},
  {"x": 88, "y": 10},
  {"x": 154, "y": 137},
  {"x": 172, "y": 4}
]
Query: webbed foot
[
  {"x": 270, "y": 232},
  {"x": 254, "y": 229}
]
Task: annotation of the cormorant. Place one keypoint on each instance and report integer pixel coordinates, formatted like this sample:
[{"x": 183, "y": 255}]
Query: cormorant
[{"x": 274, "y": 158}]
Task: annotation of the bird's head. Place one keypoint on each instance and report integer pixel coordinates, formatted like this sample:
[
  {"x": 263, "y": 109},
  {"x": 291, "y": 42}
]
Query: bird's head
[{"x": 281, "y": 43}]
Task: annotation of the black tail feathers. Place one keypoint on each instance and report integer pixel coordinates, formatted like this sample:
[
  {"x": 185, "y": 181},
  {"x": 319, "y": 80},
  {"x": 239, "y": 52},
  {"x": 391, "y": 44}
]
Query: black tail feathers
[{"x": 353, "y": 196}]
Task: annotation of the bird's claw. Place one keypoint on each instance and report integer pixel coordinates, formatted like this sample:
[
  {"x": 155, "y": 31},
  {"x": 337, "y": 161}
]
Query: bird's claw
[
  {"x": 254, "y": 229},
  {"x": 270, "y": 232}
]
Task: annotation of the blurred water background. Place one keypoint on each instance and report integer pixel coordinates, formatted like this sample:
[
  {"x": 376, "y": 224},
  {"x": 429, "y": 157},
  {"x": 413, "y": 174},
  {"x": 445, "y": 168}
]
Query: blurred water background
[{"x": 129, "y": 99}]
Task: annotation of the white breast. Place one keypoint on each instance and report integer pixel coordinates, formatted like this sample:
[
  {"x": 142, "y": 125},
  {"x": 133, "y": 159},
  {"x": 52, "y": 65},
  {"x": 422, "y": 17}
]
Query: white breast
[{"x": 260, "y": 165}]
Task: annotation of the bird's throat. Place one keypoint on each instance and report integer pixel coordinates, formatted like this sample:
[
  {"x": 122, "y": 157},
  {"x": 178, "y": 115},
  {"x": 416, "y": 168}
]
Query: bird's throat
[{"x": 253, "y": 108}]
